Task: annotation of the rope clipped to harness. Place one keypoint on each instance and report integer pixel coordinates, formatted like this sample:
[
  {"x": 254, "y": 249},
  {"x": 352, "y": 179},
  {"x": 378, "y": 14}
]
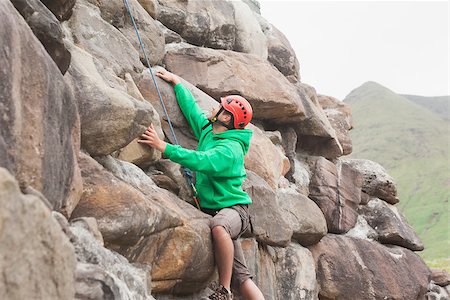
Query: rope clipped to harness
[{"x": 186, "y": 172}]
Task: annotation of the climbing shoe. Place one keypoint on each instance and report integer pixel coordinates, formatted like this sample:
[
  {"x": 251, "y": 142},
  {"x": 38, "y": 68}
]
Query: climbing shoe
[{"x": 220, "y": 294}]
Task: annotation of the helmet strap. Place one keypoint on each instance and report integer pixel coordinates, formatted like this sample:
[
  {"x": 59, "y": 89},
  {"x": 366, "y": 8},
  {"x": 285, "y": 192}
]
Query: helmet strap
[{"x": 216, "y": 120}]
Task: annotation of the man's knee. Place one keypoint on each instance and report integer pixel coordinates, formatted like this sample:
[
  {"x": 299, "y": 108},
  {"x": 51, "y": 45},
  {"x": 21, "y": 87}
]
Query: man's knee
[{"x": 219, "y": 231}]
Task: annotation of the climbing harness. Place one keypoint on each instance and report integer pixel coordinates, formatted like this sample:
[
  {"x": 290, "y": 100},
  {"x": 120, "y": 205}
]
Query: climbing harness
[{"x": 186, "y": 172}]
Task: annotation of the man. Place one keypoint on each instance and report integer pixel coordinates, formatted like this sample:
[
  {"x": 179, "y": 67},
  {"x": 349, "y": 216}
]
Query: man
[{"x": 219, "y": 163}]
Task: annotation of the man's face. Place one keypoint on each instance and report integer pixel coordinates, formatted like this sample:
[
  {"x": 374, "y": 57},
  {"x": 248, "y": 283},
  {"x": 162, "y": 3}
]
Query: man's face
[{"x": 221, "y": 117}]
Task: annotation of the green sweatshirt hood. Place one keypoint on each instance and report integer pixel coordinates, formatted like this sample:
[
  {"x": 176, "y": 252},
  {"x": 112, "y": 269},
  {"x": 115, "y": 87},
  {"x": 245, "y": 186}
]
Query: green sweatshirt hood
[{"x": 242, "y": 136}]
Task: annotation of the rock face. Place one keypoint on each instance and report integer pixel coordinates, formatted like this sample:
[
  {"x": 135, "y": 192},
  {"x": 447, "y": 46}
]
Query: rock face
[
  {"x": 281, "y": 54},
  {"x": 269, "y": 226},
  {"x": 339, "y": 115},
  {"x": 39, "y": 140},
  {"x": 377, "y": 183},
  {"x": 390, "y": 225},
  {"x": 219, "y": 73},
  {"x": 371, "y": 270},
  {"x": 36, "y": 257},
  {"x": 47, "y": 29},
  {"x": 337, "y": 191},
  {"x": 133, "y": 230}
]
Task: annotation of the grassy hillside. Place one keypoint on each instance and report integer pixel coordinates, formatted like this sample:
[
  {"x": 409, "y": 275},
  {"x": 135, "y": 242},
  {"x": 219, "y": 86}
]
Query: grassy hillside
[
  {"x": 439, "y": 105},
  {"x": 412, "y": 143}
]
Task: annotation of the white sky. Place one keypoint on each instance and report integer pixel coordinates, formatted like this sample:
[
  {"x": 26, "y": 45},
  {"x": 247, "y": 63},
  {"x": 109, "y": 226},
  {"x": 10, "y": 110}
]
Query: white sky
[{"x": 403, "y": 45}]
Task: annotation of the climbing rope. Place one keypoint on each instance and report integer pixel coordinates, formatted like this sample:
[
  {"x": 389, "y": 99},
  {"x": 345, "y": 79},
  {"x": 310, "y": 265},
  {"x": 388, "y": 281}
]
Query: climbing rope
[{"x": 186, "y": 172}]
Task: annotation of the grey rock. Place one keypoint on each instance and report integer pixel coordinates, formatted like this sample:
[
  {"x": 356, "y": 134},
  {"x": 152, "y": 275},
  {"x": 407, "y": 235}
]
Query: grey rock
[
  {"x": 269, "y": 226},
  {"x": 390, "y": 225},
  {"x": 37, "y": 260},
  {"x": 47, "y": 29},
  {"x": 39, "y": 126}
]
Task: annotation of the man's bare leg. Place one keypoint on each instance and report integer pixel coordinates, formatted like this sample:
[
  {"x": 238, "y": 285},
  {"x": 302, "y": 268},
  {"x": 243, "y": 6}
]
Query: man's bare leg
[
  {"x": 250, "y": 291},
  {"x": 223, "y": 253}
]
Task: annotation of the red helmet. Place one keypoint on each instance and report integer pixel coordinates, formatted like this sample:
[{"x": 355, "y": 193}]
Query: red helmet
[{"x": 240, "y": 109}]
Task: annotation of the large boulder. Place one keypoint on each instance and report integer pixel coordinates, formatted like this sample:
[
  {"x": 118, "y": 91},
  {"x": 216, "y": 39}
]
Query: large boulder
[
  {"x": 147, "y": 224},
  {"x": 39, "y": 125},
  {"x": 269, "y": 226},
  {"x": 102, "y": 273},
  {"x": 124, "y": 215},
  {"x": 351, "y": 268},
  {"x": 266, "y": 159},
  {"x": 62, "y": 9},
  {"x": 114, "y": 12},
  {"x": 281, "y": 273},
  {"x": 296, "y": 274},
  {"x": 249, "y": 36},
  {"x": 219, "y": 72},
  {"x": 340, "y": 116},
  {"x": 110, "y": 117},
  {"x": 304, "y": 216},
  {"x": 281, "y": 54},
  {"x": 377, "y": 182},
  {"x": 316, "y": 136},
  {"x": 114, "y": 51},
  {"x": 202, "y": 23},
  {"x": 47, "y": 29},
  {"x": 390, "y": 225},
  {"x": 336, "y": 189},
  {"x": 37, "y": 260}
]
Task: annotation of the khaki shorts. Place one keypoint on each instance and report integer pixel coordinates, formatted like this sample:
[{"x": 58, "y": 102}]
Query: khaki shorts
[{"x": 236, "y": 221}]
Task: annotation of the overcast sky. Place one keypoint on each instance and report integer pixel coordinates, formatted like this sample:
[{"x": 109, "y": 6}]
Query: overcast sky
[{"x": 403, "y": 45}]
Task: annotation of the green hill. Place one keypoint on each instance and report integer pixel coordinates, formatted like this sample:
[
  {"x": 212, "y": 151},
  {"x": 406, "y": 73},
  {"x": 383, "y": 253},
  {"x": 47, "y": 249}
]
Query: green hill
[
  {"x": 439, "y": 105},
  {"x": 411, "y": 141}
]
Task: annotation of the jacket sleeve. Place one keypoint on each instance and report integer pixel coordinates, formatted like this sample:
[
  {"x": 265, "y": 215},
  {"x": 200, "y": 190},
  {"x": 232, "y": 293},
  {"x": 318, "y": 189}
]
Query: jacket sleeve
[
  {"x": 193, "y": 113},
  {"x": 211, "y": 162}
]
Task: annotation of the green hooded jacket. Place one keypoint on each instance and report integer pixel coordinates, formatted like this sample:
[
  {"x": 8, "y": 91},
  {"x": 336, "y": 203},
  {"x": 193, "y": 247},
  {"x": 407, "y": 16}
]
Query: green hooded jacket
[{"x": 219, "y": 159}]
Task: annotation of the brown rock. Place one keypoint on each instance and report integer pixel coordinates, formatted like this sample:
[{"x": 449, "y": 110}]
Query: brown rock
[
  {"x": 281, "y": 273},
  {"x": 390, "y": 225},
  {"x": 119, "y": 59},
  {"x": 337, "y": 191},
  {"x": 296, "y": 275},
  {"x": 124, "y": 215},
  {"x": 249, "y": 36},
  {"x": 114, "y": 12},
  {"x": 47, "y": 29},
  {"x": 266, "y": 159},
  {"x": 281, "y": 54},
  {"x": 110, "y": 118},
  {"x": 151, "y": 7},
  {"x": 349, "y": 268},
  {"x": 62, "y": 9},
  {"x": 104, "y": 274},
  {"x": 179, "y": 249},
  {"x": 202, "y": 23},
  {"x": 166, "y": 182},
  {"x": 377, "y": 183},
  {"x": 219, "y": 72},
  {"x": 340, "y": 116},
  {"x": 289, "y": 142},
  {"x": 37, "y": 260},
  {"x": 181, "y": 257},
  {"x": 39, "y": 131},
  {"x": 304, "y": 216},
  {"x": 440, "y": 277},
  {"x": 316, "y": 136},
  {"x": 269, "y": 226}
]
